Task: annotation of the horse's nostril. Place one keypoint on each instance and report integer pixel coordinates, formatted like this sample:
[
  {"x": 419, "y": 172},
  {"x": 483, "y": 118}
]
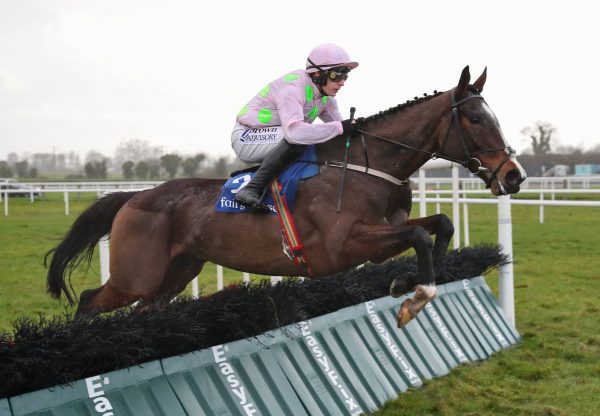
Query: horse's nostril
[{"x": 514, "y": 178}]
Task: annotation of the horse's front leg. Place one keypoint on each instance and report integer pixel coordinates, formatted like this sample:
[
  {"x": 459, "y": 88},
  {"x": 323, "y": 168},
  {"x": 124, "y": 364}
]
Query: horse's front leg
[
  {"x": 442, "y": 227},
  {"x": 385, "y": 241}
]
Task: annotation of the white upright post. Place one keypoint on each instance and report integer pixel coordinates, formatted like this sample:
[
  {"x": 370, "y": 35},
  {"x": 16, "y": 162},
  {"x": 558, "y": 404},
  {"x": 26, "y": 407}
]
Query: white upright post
[
  {"x": 66, "y": 203},
  {"x": 422, "y": 188},
  {"x": 195, "y": 291},
  {"x": 506, "y": 283},
  {"x": 541, "y": 208},
  {"x": 6, "y": 204},
  {"x": 219, "y": 277},
  {"x": 104, "y": 259},
  {"x": 276, "y": 279},
  {"x": 466, "y": 225},
  {"x": 455, "y": 207},
  {"x": 246, "y": 277}
]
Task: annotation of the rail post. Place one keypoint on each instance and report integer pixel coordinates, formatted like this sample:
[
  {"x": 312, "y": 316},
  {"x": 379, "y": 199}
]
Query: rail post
[
  {"x": 422, "y": 189},
  {"x": 506, "y": 281},
  {"x": 455, "y": 207},
  {"x": 104, "y": 259}
]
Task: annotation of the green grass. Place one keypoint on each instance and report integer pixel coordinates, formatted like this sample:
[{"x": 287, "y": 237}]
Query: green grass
[{"x": 554, "y": 371}]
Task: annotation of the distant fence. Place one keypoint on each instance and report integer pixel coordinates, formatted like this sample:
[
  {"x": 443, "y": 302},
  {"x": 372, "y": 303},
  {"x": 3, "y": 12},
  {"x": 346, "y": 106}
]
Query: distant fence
[{"x": 430, "y": 190}]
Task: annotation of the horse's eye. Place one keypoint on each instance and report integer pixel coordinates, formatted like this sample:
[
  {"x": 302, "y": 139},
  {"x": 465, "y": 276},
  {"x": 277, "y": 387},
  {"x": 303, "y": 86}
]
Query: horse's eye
[{"x": 474, "y": 119}]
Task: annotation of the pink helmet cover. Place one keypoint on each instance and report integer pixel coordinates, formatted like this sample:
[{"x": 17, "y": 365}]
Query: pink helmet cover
[{"x": 328, "y": 55}]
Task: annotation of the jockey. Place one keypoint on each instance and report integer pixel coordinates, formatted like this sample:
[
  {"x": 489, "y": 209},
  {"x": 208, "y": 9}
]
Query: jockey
[{"x": 275, "y": 127}]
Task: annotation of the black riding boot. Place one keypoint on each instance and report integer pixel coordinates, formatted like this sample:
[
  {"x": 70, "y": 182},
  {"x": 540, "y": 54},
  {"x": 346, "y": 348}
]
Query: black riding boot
[{"x": 281, "y": 156}]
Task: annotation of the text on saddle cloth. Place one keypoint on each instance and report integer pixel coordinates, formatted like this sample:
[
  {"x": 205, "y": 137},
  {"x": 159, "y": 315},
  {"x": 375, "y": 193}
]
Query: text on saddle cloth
[{"x": 289, "y": 179}]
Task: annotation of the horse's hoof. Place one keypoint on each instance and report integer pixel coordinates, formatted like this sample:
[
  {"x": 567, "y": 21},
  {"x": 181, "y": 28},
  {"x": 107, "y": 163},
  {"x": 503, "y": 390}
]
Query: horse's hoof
[
  {"x": 403, "y": 284},
  {"x": 405, "y": 314},
  {"x": 398, "y": 288}
]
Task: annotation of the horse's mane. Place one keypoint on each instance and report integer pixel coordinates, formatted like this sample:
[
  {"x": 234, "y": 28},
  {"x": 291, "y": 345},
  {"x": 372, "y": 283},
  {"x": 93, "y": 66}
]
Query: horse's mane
[
  {"x": 402, "y": 106},
  {"x": 410, "y": 103}
]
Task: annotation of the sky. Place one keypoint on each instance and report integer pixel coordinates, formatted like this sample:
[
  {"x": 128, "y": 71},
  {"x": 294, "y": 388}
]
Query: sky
[{"x": 81, "y": 75}]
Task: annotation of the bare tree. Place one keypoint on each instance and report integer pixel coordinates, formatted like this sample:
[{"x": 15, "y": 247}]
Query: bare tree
[
  {"x": 542, "y": 136},
  {"x": 44, "y": 162},
  {"x": 136, "y": 150},
  {"x": 73, "y": 161},
  {"x": 12, "y": 159},
  {"x": 594, "y": 149}
]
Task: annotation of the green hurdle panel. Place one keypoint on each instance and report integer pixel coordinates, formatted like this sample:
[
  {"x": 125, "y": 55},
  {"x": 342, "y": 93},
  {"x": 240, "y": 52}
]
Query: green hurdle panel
[
  {"x": 343, "y": 363},
  {"x": 5, "y": 408},
  {"x": 139, "y": 390},
  {"x": 240, "y": 377}
]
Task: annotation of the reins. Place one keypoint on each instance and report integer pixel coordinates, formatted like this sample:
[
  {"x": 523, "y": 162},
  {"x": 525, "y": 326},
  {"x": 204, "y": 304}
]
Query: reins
[{"x": 471, "y": 163}]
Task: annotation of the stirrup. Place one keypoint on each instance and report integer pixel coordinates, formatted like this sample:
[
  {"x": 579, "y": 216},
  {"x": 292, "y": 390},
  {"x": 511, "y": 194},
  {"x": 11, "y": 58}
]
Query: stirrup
[{"x": 257, "y": 204}]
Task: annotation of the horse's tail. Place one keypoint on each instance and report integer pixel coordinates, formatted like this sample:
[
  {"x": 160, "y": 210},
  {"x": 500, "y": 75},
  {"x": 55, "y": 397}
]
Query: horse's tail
[{"x": 78, "y": 245}]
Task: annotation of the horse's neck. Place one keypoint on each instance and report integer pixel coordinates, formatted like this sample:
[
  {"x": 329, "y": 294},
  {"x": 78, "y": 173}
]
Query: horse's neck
[{"x": 418, "y": 126}]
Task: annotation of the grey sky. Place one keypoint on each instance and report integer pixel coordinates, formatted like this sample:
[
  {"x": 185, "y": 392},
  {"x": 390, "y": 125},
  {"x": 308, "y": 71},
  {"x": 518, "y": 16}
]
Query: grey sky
[{"x": 89, "y": 74}]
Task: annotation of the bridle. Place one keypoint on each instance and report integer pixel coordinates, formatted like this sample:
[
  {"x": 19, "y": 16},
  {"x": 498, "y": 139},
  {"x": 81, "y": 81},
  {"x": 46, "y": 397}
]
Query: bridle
[{"x": 471, "y": 163}]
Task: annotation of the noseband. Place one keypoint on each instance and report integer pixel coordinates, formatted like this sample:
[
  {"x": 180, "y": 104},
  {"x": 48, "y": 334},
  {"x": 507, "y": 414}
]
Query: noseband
[{"x": 471, "y": 163}]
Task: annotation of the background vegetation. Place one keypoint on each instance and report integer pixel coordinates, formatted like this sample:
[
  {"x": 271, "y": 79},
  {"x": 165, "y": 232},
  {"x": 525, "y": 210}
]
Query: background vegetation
[{"x": 555, "y": 371}]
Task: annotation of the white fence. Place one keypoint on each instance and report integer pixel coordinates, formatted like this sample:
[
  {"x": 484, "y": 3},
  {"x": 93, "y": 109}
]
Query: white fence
[{"x": 429, "y": 190}]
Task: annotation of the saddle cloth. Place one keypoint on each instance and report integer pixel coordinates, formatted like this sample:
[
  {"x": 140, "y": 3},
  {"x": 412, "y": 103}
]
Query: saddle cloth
[{"x": 304, "y": 167}]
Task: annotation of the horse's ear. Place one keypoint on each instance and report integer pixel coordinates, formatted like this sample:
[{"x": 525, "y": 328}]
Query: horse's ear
[
  {"x": 481, "y": 81},
  {"x": 465, "y": 77}
]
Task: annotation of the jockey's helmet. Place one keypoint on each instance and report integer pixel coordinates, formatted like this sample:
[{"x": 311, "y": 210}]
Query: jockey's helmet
[{"x": 328, "y": 55}]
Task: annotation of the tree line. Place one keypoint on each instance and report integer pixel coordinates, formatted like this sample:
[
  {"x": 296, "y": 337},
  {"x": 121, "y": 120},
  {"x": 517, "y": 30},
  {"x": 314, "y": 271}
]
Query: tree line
[
  {"x": 133, "y": 159},
  {"x": 138, "y": 159}
]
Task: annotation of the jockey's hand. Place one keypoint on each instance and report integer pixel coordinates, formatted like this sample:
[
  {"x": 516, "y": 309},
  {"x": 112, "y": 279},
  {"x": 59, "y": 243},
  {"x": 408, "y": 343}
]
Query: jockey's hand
[{"x": 351, "y": 126}]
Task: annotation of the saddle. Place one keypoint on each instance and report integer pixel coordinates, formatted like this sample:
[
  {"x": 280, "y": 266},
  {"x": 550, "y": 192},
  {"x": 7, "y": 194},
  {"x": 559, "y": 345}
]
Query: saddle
[{"x": 304, "y": 167}]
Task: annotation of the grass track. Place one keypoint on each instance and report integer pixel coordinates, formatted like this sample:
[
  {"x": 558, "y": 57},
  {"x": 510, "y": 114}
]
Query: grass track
[{"x": 555, "y": 371}]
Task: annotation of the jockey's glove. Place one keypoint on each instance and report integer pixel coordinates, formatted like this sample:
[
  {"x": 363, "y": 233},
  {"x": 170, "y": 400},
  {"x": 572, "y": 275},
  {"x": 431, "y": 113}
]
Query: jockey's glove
[{"x": 351, "y": 126}]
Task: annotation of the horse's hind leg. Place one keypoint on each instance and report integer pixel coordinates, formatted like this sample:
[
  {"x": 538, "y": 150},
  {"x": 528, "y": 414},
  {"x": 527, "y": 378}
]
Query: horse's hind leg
[
  {"x": 105, "y": 298},
  {"x": 180, "y": 272}
]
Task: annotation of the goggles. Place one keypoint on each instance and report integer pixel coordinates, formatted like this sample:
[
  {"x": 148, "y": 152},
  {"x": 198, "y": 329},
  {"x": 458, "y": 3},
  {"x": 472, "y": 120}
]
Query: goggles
[{"x": 338, "y": 74}]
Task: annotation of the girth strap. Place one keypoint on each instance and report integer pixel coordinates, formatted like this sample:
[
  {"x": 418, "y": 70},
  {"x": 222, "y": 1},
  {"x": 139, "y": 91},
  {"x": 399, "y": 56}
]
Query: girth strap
[{"x": 368, "y": 171}]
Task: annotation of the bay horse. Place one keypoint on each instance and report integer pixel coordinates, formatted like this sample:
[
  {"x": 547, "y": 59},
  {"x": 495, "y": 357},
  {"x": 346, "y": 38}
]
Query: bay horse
[{"x": 161, "y": 237}]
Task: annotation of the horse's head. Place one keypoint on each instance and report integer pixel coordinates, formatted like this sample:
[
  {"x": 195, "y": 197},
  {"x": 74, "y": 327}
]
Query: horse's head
[{"x": 474, "y": 138}]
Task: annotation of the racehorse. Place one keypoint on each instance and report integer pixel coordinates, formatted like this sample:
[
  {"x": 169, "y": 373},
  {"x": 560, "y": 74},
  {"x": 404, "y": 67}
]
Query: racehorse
[{"x": 161, "y": 237}]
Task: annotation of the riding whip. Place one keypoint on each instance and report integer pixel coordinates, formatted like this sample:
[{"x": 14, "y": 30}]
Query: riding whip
[{"x": 344, "y": 168}]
